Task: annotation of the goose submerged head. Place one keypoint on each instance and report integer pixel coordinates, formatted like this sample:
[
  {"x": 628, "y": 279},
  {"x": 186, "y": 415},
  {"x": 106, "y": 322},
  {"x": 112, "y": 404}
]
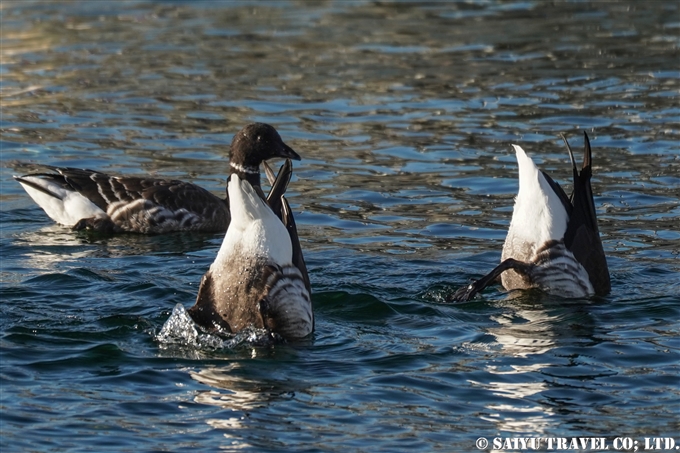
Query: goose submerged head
[
  {"x": 259, "y": 277},
  {"x": 553, "y": 242}
]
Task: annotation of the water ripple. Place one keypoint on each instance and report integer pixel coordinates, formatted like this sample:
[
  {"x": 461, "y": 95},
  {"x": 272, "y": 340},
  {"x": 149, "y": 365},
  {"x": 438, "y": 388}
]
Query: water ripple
[{"x": 404, "y": 113}]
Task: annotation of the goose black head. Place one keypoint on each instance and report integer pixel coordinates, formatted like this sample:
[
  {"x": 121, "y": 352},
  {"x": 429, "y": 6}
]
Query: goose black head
[{"x": 254, "y": 144}]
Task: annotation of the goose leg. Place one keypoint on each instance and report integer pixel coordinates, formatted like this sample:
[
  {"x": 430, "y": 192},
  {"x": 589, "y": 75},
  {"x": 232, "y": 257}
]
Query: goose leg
[{"x": 468, "y": 292}]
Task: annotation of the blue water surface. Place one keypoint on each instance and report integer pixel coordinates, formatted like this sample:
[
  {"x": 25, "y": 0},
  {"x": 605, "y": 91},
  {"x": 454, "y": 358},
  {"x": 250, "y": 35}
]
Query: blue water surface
[{"x": 403, "y": 113}]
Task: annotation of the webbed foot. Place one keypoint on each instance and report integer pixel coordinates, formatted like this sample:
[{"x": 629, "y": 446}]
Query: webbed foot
[
  {"x": 99, "y": 224},
  {"x": 465, "y": 293}
]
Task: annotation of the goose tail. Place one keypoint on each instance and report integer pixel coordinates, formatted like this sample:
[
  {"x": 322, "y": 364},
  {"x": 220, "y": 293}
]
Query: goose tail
[{"x": 61, "y": 203}]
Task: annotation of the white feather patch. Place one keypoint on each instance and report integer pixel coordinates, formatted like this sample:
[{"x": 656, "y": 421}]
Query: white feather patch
[
  {"x": 65, "y": 206},
  {"x": 254, "y": 230},
  {"x": 538, "y": 215}
]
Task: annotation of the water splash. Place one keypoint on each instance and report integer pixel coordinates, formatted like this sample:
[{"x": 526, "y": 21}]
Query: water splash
[{"x": 180, "y": 330}]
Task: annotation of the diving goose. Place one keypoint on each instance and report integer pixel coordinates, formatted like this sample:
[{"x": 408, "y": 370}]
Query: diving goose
[
  {"x": 259, "y": 278},
  {"x": 88, "y": 199},
  {"x": 553, "y": 242}
]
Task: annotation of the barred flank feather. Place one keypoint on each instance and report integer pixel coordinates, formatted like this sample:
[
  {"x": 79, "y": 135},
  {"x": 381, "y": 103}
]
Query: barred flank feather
[
  {"x": 558, "y": 272},
  {"x": 289, "y": 306}
]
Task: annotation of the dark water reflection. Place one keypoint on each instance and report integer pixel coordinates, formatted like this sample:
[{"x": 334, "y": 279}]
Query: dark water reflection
[{"x": 404, "y": 113}]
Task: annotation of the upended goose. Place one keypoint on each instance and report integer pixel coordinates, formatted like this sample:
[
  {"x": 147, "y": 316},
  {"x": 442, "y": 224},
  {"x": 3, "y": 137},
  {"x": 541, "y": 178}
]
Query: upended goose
[
  {"x": 553, "y": 242},
  {"x": 88, "y": 199},
  {"x": 259, "y": 277}
]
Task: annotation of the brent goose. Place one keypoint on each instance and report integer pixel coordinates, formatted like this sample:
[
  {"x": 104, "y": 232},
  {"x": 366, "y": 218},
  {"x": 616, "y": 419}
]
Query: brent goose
[
  {"x": 553, "y": 242},
  {"x": 87, "y": 199},
  {"x": 259, "y": 277}
]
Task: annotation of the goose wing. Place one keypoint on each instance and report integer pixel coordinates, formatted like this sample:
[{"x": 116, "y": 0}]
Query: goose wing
[
  {"x": 582, "y": 236},
  {"x": 278, "y": 203}
]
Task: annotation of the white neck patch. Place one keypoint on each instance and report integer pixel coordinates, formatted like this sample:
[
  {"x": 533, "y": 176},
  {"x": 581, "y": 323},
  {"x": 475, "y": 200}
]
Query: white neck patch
[
  {"x": 254, "y": 230},
  {"x": 243, "y": 169}
]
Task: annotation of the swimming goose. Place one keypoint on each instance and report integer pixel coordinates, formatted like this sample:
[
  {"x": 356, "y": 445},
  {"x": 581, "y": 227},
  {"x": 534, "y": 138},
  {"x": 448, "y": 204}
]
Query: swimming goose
[
  {"x": 88, "y": 199},
  {"x": 553, "y": 242},
  {"x": 259, "y": 277}
]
